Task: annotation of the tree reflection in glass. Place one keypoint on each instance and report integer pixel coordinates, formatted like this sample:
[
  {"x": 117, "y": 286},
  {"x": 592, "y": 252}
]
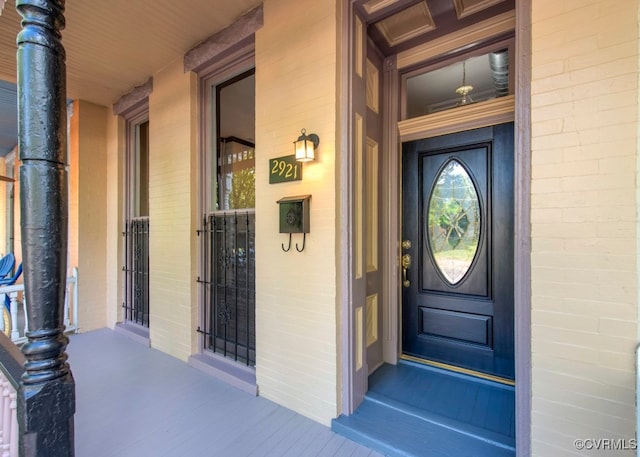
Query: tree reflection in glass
[{"x": 453, "y": 222}]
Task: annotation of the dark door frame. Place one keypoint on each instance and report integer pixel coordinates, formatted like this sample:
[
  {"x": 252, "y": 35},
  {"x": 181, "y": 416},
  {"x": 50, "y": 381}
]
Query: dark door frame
[{"x": 352, "y": 385}]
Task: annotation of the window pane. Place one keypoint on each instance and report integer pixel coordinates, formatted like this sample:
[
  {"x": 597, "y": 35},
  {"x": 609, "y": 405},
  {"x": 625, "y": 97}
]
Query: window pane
[
  {"x": 235, "y": 120},
  {"x": 454, "y": 222},
  {"x": 141, "y": 170},
  {"x": 237, "y": 174}
]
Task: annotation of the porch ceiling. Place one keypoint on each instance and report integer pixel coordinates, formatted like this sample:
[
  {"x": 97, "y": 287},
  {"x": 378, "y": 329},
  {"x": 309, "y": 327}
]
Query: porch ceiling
[
  {"x": 114, "y": 46},
  {"x": 397, "y": 25}
]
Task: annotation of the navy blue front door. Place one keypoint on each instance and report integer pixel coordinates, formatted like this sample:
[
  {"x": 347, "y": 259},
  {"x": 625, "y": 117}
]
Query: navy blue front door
[{"x": 457, "y": 253}]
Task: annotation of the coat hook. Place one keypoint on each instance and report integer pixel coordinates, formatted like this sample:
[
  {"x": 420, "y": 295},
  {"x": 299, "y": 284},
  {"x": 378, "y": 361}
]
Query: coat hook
[
  {"x": 288, "y": 248},
  {"x": 304, "y": 241}
]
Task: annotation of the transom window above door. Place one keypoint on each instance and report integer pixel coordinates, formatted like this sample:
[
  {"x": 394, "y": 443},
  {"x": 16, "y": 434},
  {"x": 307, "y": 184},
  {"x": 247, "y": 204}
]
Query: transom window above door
[{"x": 464, "y": 82}]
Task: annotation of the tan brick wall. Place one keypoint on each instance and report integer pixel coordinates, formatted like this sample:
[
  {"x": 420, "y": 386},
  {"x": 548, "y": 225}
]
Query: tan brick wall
[
  {"x": 172, "y": 210},
  {"x": 296, "y": 292},
  {"x": 583, "y": 222},
  {"x": 88, "y": 161}
]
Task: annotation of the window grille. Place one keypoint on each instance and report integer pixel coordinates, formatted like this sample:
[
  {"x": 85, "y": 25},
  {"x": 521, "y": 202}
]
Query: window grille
[
  {"x": 136, "y": 271},
  {"x": 228, "y": 282}
]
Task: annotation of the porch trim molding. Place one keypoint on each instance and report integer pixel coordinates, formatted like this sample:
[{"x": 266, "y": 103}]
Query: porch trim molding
[
  {"x": 390, "y": 204},
  {"x": 477, "y": 115},
  {"x": 495, "y": 26},
  {"x": 522, "y": 221},
  {"x": 134, "y": 98},
  {"x": 347, "y": 397},
  {"x": 224, "y": 41}
]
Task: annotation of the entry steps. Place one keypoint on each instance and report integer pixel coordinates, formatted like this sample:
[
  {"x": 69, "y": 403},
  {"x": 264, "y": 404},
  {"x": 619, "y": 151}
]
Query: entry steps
[{"x": 415, "y": 410}]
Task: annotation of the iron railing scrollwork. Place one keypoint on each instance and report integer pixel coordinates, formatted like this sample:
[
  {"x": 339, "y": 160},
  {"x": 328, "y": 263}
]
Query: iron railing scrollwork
[
  {"x": 136, "y": 271},
  {"x": 228, "y": 285}
]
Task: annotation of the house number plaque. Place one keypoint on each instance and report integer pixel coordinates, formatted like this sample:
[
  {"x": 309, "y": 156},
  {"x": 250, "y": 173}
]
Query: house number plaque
[{"x": 284, "y": 169}]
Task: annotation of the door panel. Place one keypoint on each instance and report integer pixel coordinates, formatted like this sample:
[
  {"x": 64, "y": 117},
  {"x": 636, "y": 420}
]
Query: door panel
[
  {"x": 458, "y": 218},
  {"x": 452, "y": 324},
  {"x": 372, "y": 198}
]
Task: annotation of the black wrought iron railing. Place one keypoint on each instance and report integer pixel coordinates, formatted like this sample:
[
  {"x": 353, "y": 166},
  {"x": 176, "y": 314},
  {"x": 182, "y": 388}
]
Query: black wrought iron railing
[
  {"x": 136, "y": 271},
  {"x": 228, "y": 285}
]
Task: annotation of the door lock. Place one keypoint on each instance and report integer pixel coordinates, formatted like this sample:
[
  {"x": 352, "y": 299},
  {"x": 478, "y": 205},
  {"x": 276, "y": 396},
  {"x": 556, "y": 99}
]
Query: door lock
[
  {"x": 406, "y": 263},
  {"x": 406, "y": 244}
]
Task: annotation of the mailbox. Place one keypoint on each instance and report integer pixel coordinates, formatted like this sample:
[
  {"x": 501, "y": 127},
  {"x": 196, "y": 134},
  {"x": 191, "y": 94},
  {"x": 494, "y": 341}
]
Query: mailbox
[
  {"x": 294, "y": 214},
  {"x": 294, "y": 218}
]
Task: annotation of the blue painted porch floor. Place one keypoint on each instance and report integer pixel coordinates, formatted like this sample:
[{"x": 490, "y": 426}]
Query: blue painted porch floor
[
  {"x": 416, "y": 410},
  {"x": 133, "y": 401}
]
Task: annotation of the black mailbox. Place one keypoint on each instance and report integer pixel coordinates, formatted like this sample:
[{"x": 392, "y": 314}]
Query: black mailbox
[{"x": 294, "y": 214}]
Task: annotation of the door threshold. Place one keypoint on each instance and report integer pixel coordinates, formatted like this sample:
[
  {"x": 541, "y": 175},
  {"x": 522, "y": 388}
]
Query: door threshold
[{"x": 466, "y": 371}]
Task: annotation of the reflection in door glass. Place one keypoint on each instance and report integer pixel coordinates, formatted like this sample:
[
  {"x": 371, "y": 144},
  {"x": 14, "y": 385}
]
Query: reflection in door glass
[{"x": 453, "y": 222}]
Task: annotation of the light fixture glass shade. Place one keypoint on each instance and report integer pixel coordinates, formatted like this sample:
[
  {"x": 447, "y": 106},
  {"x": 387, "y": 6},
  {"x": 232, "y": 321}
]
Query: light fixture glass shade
[
  {"x": 305, "y": 146},
  {"x": 304, "y": 150}
]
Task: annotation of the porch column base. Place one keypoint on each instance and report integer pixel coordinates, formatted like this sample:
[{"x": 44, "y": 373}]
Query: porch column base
[{"x": 47, "y": 410}]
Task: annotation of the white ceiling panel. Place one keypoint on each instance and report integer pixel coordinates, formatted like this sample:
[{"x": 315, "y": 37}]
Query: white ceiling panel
[{"x": 115, "y": 45}]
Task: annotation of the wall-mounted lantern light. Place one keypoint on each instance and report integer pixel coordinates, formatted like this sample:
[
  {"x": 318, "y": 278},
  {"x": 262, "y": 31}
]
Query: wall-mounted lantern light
[{"x": 305, "y": 146}]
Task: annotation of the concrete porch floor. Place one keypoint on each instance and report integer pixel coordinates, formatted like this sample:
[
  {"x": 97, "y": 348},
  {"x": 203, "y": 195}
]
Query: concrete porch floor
[{"x": 133, "y": 401}]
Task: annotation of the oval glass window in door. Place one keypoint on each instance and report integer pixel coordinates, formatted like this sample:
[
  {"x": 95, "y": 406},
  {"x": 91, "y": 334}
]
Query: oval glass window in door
[{"x": 453, "y": 222}]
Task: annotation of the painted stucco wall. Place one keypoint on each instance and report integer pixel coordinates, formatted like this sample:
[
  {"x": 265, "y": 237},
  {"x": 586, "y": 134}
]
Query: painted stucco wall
[
  {"x": 88, "y": 154},
  {"x": 296, "y": 303},
  {"x": 583, "y": 221},
  {"x": 172, "y": 211}
]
